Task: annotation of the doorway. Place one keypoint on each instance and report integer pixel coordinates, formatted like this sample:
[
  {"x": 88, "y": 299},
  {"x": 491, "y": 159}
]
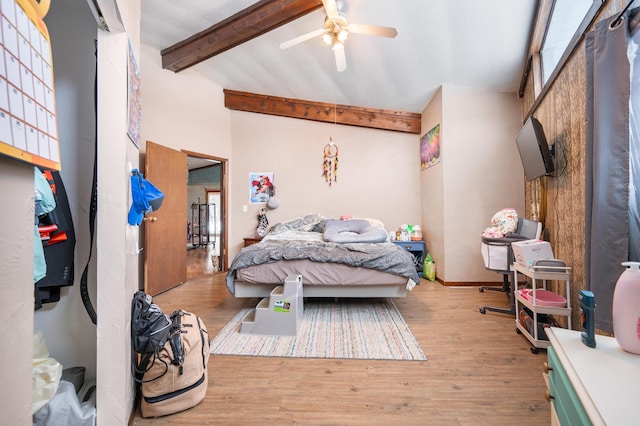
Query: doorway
[{"x": 206, "y": 215}]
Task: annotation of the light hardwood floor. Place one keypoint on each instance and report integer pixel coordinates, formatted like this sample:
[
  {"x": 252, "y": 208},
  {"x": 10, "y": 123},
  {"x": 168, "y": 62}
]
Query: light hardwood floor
[
  {"x": 479, "y": 370},
  {"x": 200, "y": 261}
]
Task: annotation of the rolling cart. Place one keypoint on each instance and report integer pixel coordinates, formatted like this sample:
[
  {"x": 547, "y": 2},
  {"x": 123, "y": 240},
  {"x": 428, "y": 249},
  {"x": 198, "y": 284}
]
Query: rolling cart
[{"x": 534, "y": 299}]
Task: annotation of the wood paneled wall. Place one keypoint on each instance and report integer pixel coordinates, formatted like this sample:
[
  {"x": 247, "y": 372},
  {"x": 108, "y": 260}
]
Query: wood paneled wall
[{"x": 559, "y": 201}]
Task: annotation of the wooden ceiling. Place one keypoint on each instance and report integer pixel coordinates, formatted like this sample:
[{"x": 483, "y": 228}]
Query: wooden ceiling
[
  {"x": 323, "y": 112},
  {"x": 245, "y": 25},
  {"x": 262, "y": 17}
]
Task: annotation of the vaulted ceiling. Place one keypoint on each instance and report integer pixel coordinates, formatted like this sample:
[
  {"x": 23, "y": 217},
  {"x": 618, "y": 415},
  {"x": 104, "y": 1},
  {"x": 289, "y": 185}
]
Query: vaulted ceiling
[{"x": 235, "y": 43}]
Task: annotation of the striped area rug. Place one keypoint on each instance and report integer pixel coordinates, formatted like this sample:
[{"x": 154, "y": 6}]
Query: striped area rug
[{"x": 346, "y": 328}]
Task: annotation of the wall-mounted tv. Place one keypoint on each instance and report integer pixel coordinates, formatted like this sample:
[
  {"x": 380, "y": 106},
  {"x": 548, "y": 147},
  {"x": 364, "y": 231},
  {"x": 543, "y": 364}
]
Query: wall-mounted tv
[{"x": 534, "y": 151}]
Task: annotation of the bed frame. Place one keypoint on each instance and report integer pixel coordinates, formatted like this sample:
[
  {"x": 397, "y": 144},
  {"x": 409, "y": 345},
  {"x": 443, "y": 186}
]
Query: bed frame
[{"x": 244, "y": 289}]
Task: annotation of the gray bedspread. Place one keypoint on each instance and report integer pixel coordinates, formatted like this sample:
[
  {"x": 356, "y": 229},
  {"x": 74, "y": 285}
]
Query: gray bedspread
[{"x": 385, "y": 256}]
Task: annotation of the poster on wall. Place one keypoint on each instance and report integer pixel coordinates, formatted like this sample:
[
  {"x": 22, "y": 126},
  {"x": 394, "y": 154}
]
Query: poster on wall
[
  {"x": 135, "y": 99},
  {"x": 260, "y": 187},
  {"x": 430, "y": 148}
]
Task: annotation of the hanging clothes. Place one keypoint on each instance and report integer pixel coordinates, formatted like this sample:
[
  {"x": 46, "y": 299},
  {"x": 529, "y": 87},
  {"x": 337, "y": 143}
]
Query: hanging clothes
[
  {"x": 57, "y": 236},
  {"x": 45, "y": 202}
]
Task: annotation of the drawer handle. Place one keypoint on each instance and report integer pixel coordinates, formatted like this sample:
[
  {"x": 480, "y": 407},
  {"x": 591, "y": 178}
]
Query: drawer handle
[
  {"x": 546, "y": 367},
  {"x": 548, "y": 395}
]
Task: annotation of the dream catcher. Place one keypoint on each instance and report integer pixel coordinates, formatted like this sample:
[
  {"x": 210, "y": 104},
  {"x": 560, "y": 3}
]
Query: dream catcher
[{"x": 330, "y": 164}]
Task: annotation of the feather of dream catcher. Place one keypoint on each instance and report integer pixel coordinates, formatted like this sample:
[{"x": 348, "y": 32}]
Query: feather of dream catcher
[{"x": 330, "y": 164}]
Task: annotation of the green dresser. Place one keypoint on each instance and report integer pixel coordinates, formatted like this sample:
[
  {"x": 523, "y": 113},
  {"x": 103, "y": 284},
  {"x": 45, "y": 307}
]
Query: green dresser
[
  {"x": 591, "y": 386},
  {"x": 565, "y": 400}
]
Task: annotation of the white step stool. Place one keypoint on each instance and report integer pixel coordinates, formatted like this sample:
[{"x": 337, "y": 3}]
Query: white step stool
[{"x": 280, "y": 314}]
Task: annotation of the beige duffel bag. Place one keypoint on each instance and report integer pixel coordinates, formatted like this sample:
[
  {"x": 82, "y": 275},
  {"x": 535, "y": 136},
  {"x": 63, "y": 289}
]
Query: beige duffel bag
[{"x": 176, "y": 378}]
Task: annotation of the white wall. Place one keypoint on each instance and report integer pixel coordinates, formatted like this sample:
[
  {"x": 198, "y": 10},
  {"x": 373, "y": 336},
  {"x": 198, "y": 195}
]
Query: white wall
[
  {"x": 16, "y": 284},
  {"x": 480, "y": 174},
  {"x": 116, "y": 242},
  {"x": 378, "y": 172},
  {"x": 182, "y": 110},
  {"x": 432, "y": 195}
]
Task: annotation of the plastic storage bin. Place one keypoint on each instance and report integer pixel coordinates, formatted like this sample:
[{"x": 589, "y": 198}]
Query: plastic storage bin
[{"x": 543, "y": 298}]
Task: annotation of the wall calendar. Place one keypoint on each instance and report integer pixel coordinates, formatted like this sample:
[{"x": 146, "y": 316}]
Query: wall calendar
[{"x": 28, "y": 125}]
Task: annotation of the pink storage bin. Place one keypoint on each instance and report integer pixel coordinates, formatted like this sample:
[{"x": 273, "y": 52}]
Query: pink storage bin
[{"x": 544, "y": 298}]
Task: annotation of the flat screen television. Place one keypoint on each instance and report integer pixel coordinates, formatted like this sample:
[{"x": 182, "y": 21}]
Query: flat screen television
[{"x": 534, "y": 151}]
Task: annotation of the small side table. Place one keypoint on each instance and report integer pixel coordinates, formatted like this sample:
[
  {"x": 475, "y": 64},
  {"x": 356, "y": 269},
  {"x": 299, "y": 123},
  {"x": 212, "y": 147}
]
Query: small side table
[
  {"x": 251, "y": 240},
  {"x": 416, "y": 248}
]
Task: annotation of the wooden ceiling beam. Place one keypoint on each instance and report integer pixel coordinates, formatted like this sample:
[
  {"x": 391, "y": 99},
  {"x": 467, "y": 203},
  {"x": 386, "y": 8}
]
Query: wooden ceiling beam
[
  {"x": 260, "y": 18},
  {"x": 398, "y": 121}
]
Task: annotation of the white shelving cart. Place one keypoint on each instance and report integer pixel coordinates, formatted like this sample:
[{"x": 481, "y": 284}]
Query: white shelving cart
[{"x": 540, "y": 275}]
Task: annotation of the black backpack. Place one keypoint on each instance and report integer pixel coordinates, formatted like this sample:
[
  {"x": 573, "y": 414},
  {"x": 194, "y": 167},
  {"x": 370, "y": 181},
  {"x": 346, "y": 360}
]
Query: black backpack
[{"x": 150, "y": 331}]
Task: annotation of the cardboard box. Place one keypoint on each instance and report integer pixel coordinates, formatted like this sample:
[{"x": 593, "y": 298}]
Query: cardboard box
[{"x": 526, "y": 252}]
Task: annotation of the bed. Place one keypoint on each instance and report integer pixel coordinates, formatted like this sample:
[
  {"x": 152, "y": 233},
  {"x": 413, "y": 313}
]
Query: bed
[{"x": 336, "y": 258}]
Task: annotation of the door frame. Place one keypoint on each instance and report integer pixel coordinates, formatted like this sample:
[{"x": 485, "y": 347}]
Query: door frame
[
  {"x": 218, "y": 229},
  {"x": 224, "y": 200}
]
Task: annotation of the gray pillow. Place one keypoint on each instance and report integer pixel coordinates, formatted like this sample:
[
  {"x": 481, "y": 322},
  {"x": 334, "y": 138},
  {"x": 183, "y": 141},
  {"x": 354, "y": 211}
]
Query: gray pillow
[{"x": 353, "y": 231}]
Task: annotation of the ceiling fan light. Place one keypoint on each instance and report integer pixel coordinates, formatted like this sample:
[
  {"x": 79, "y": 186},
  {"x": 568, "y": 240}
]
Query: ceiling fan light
[
  {"x": 342, "y": 36},
  {"x": 327, "y": 38},
  {"x": 338, "y": 45}
]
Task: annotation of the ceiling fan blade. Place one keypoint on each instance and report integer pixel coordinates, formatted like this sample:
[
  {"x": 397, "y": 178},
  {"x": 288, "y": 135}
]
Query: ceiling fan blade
[
  {"x": 341, "y": 59},
  {"x": 373, "y": 30},
  {"x": 302, "y": 38},
  {"x": 330, "y": 8}
]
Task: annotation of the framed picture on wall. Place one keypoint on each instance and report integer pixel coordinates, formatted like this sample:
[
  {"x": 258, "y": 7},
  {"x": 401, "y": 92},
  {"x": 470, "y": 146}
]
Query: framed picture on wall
[
  {"x": 260, "y": 187},
  {"x": 134, "y": 106},
  {"x": 430, "y": 148}
]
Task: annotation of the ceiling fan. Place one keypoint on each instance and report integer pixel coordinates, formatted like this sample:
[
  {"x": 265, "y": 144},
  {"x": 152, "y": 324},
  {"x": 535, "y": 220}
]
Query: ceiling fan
[{"x": 336, "y": 31}]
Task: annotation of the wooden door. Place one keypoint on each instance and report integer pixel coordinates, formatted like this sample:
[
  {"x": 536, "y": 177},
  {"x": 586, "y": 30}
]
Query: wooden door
[{"x": 165, "y": 248}]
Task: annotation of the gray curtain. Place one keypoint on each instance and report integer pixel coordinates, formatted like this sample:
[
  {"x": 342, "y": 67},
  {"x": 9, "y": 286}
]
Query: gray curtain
[
  {"x": 607, "y": 163},
  {"x": 634, "y": 128}
]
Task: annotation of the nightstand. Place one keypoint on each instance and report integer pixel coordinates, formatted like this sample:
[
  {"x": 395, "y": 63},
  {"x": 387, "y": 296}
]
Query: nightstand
[
  {"x": 416, "y": 248},
  {"x": 251, "y": 240}
]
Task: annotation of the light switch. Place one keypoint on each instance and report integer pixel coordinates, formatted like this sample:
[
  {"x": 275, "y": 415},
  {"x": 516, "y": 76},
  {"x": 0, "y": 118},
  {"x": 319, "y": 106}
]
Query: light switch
[{"x": 244, "y": 208}]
